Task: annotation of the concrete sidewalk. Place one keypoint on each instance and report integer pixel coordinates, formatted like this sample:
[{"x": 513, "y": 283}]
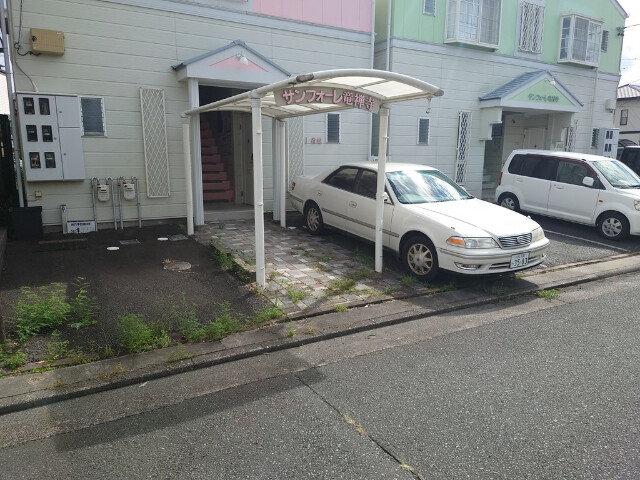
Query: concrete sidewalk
[{"x": 27, "y": 391}]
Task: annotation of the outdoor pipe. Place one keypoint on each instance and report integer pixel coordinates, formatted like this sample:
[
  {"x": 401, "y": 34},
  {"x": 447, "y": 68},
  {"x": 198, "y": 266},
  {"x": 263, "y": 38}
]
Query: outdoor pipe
[
  {"x": 135, "y": 183},
  {"x": 120, "y": 183},
  {"x": 94, "y": 181},
  {"x": 109, "y": 180}
]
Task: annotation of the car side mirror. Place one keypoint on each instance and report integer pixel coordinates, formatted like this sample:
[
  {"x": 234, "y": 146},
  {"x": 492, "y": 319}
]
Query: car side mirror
[
  {"x": 385, "y": 198},
  {"x": 588, "y": 181}
]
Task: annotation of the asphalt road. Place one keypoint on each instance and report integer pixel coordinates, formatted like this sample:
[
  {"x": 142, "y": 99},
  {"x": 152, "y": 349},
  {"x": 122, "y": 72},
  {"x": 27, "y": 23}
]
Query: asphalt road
[{"x": 534, "y": 388}]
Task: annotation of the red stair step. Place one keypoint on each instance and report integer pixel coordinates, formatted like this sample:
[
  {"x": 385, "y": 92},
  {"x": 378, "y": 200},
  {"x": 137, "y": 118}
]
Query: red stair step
[
  {"x": 209, "y": 186},
  {"x": 208, "y": 196}
]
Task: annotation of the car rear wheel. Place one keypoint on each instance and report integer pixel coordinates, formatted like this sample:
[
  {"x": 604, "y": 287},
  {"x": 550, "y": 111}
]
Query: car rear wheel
[
  {"x": 509, "y": 201},
  {"x": 313, "y": 219},
  {"x": 613, "y": 226},
  {"x": 420, "y": 258}
]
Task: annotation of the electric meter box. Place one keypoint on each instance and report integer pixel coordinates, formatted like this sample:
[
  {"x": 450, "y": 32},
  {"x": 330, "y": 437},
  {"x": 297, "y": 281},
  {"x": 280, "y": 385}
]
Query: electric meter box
[{"x": 51, "y": 137}]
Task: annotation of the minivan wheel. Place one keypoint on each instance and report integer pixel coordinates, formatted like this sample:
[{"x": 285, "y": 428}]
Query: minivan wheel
[
  {"x": 313, "y": 219},
  {"x": 509, "y": 201},
  {"x": 420, "y": 258},
  {"x": 613, "y": 226}
]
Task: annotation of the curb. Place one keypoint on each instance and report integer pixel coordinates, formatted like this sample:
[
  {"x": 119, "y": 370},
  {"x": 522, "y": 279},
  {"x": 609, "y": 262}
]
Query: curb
[{"x": 34, "y": 390}]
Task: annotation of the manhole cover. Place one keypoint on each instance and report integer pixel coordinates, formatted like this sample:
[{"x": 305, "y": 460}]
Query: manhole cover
[{"x": 177, "y": 266}]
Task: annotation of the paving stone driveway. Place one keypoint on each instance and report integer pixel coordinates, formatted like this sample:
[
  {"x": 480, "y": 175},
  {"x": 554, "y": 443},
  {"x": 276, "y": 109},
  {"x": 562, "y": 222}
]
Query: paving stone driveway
[{"x": 306, "y": 274}]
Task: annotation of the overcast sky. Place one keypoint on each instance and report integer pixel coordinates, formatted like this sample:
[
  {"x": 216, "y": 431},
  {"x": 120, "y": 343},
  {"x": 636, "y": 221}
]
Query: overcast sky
[{"x": 630, "y": 66}]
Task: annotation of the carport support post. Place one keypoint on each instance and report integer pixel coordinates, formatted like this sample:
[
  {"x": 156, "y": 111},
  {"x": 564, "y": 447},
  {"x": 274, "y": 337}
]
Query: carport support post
[
  {"x": 382, "y": 159},
  {"x": 283, "y": 173},
  {"x": 186, "y": 145},
  {"x": 256, "y": 120}
]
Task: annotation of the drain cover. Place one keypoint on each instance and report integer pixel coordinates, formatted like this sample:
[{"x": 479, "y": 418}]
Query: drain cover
[
  {"x": 175, "y": 238},
  {"x": 177, "y": 266}
]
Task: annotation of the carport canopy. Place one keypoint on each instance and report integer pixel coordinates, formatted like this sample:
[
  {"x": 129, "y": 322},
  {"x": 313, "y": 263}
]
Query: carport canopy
[{"x": 308, "y": 94}]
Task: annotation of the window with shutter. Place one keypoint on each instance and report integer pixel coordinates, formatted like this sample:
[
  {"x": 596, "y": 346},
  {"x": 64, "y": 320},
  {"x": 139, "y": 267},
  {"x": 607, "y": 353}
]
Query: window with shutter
[
  {"x": 333, "y": 128},
  {"x": 92, "y": 111},
  {"x": 423, "y": 131},
  {"x": 429, "y": 7}
]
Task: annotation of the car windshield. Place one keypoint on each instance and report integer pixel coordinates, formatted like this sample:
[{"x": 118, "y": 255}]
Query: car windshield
[
  {"x": 617, "y": 174},
  {"x": 425, "y": 186}
]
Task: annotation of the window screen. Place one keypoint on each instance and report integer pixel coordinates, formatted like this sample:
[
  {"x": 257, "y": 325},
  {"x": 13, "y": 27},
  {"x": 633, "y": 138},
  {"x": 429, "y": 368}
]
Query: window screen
[
  {"x": 333, "y": 128},
  {"x": 423, "y": 131},
  {"x": 429, "y": 7},
  {"x": 92, "y": 110}
]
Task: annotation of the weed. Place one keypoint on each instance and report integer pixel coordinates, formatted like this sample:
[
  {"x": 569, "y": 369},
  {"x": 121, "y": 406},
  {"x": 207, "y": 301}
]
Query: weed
[
  {"x": 549, "y": 294},
  {"x": 179, "y": 354},
  {"x": 135, "y": 335},
  {"x": 291, "y": 332},
  {"x": 224, "y": 259},
  {"x": 41, "y": 309},
  {"x": 225, "y": 323},
  {"x": 267, "y": 313},
  {"x": 109, "y": 375},
  {"x": 449, "y": 287},
  {"x": 408, "y": 280},
  {"x": 338, "y": 286},
  {"x": 84, "y": 308},
  {"x": 107, "y": 351},
  {"x": 272, "y": 275},
  {"x": 295, "y": 294},
  {"x": 341, "y": 308},
  {"x": 57, "y": 350},
  {"x": 16, "y": 360},
  {"x": 57, "y": 384},
  {"x": 365, "y": 259},
  {"x": 183, "y": 315},
  {"x": 310, "y": 330}
]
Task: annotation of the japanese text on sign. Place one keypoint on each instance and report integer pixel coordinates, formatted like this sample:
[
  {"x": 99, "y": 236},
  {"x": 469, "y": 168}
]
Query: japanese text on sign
[
  {"x": 544, "y": 98},
  {"x": 333, "y": 96}
]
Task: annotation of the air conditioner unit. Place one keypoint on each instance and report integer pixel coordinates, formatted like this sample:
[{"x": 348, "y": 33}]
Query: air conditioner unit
[
  {"x": 559, "y": 146},
  {"x": 610, "y": 104}
]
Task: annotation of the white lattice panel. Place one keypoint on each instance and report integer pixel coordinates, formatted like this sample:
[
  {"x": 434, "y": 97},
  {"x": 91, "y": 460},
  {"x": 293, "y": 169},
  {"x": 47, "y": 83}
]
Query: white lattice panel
[
  {"x": 571, "y": 137},
  {"x": 295, "y": 137},
  {"x": 464, "y": 142},
  {"x": 532, "y": 21},
  {"x": 154, "y": 133}
]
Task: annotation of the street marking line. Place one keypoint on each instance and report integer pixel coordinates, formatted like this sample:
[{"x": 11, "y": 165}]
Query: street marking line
[{"x": 589, "y": 241}]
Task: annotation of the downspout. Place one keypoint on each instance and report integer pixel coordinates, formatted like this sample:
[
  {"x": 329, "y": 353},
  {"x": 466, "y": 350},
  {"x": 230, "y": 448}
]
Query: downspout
[
  {"x": 12, "y": 114},
  {"x": 373, "y": 48},
  {"x": 388, "y": 37}
]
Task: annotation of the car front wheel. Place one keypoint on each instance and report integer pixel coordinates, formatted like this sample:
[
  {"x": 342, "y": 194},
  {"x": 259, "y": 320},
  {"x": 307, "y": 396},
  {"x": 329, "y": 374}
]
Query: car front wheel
[
  {"x": 420, "y": 258},
  {"x": 613, "y": 226},
  {"x": 313, "y": 219},
  {"x": 509, "y": 201}
]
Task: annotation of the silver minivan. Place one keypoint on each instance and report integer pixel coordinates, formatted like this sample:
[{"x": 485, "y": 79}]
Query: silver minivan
[{"x": 581, "y": 188}]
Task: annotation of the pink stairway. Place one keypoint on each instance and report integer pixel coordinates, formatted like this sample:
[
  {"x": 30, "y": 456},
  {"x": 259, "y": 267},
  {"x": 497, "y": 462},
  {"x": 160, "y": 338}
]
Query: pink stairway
[{"x": 215, "y": 182}]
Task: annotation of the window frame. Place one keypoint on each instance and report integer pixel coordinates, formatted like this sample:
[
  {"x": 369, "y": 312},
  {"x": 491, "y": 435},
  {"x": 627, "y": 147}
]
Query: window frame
[
  {"x": 592, "y": 46},
  {"x": 456, "y": 37},
  {"x": 420, "y": 120},
  {"x": 625, "y": 117},
  {"x": 426, "y": 11},
  {"x": 102, "y": 111},
  {"x": 339, "y": 117}
]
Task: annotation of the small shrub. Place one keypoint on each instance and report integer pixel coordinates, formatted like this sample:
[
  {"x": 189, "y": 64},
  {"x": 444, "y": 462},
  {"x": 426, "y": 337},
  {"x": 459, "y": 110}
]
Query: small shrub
[
  {"x": 135, "y": 336},
  {"x": 41, "y": 309},
  {"x": 17, "y": 360},
  {"x": 84, "y": 308}
]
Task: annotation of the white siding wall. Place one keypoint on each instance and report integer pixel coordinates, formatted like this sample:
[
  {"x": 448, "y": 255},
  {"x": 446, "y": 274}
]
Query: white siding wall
[
  {"x": 465, "y": 76},
  {"x": 112, "y": 50}
]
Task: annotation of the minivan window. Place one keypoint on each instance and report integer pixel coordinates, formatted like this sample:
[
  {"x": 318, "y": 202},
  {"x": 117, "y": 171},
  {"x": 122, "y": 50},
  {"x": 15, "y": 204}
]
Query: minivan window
[
  {"x": 571, "y": 173},
  {"x": 534, "y": 166},
  {"x": 617, "y": 174}
]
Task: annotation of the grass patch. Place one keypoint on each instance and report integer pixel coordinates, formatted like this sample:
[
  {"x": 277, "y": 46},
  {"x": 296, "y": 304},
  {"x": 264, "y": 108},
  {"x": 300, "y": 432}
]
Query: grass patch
[
  {"x": 136, "y": 336},
  {"x": 16, "y": 360},
  {"x": 549, "y": 294},
  {"x": 44, "y": 308},
  {"x": 341, "y": 308},
  {"x": 179, "y": 354},
  {"x": 109, "y": 375},
  {"x": 296, "y": 294},
  {"x": 84, "y": 308},
  {"x": 449, "y": 287},
  {"x": 365, "y": 258}
]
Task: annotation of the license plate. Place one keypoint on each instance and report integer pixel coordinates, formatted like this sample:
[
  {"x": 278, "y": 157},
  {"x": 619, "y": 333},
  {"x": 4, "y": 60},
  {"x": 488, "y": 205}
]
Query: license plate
[{"x": 519, "y": 260}]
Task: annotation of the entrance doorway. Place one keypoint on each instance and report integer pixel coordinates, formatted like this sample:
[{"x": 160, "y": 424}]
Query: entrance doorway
[{"x": 226, "y": 153}]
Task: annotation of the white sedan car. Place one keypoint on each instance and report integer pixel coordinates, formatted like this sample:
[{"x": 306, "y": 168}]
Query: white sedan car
[{"x": 429, "y": 221}]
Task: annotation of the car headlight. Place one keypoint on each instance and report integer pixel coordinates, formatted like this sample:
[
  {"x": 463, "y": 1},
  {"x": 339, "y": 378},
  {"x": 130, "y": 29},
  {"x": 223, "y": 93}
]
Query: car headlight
[
  {"x": 537, "y": 235},
  {"x": 636, "y": 203},
  {"x": 472, "y": 242}
]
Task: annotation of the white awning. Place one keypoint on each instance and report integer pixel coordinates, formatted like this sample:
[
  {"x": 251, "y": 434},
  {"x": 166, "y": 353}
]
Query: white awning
[
  {"x": 384, "y": 87},
  {"x": 311, "y": 93}
]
